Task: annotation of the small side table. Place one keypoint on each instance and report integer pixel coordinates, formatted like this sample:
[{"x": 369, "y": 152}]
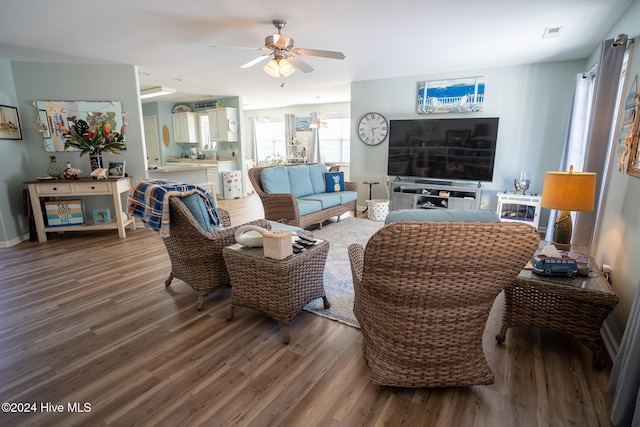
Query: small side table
[
  {"x": 370, "y": 184},
  {"x": 278, "y": 288},
  {"x": 575, "y": 306}
]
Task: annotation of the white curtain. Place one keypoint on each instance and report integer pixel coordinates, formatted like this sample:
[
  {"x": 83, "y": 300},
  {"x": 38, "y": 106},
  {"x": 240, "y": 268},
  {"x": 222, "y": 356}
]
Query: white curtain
[
  {"x": 254, "y": 139},
  {"x": 576, "y": 138},
  {"x": 289, "y": 131},
  {"x": 625, "y": 373},
  {"x": 315, "y": 140}
]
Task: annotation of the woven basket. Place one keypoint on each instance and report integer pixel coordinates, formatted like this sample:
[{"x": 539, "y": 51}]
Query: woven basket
[{"x": 277, "y": 244}]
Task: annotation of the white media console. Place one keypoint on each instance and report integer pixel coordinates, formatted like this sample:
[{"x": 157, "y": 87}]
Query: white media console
[{"x": 429, "y": 194}]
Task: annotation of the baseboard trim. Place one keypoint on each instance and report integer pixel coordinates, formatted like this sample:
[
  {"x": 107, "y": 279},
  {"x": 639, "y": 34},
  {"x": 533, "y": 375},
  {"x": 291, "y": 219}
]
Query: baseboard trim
[
  {"x": 14, "y": 241},
  {"x": 611, "y": 343}
]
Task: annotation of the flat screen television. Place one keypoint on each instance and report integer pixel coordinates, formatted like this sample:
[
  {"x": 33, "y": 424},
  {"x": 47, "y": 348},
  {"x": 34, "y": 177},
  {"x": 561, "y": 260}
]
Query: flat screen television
[{"x": 447, "y": 149}]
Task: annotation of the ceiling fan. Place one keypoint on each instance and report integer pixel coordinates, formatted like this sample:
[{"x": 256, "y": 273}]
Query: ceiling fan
[{"x": 284, "y": 61}]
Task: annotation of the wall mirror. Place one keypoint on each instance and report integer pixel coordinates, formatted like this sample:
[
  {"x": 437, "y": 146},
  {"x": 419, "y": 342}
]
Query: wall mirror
[{"x": 56, "y": 118}]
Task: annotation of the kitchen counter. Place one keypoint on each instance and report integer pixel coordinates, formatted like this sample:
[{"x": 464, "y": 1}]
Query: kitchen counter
[
  {"x": 201, "y": 161},
  {"x": 195, "y": 171},
  {"x": 180, "y": 167}
]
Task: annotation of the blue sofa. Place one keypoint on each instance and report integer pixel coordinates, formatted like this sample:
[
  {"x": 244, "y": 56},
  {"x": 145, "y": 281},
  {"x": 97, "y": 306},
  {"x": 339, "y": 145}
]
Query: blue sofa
[{"x": 303, "y": 195}]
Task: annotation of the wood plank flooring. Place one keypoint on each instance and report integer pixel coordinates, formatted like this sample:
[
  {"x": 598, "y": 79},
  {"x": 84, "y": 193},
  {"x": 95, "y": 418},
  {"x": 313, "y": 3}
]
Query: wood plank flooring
[{"x": 86, "y": 318}]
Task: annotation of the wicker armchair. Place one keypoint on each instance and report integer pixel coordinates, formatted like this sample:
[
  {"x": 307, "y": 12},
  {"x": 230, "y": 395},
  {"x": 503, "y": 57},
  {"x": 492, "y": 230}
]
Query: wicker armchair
[
  {"x": 423, "y": 293},
  {"x": 196, "y": 255}
]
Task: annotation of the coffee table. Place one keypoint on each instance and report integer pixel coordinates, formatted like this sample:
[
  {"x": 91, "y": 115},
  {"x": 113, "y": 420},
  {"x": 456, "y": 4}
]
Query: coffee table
[
  {"x": 278, "y": 288},
  {"x": 574, "y": 306}
]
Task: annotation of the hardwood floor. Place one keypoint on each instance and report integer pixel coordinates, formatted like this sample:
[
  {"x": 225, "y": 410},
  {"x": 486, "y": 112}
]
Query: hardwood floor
[{"x": 86, "y": 318}]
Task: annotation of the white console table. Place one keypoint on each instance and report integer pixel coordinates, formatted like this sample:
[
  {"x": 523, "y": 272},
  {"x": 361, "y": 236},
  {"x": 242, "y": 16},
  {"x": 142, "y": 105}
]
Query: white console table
[
  {"x": 419, "y": 193},
  {"x": 69, "y": 188}
]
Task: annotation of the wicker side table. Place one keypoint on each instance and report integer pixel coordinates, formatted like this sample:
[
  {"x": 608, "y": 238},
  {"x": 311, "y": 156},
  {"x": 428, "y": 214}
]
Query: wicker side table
[
  {"x": 574, "y": 306},
  {"x": 280, "y": 289}
]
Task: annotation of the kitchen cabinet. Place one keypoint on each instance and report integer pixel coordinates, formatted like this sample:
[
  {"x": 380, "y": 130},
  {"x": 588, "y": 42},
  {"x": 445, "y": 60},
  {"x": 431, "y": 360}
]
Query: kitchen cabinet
[
  {"x": 223, "y": 124},
  {"x": 185, "y": 127}
]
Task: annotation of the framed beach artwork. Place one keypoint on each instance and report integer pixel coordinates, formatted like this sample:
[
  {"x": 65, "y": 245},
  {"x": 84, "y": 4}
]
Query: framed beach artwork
[
  {"x": 303, "y": 124},
  {"x": 9, "y": 123},
  {"x": 116, "y": 169},
  {"x": 451, "y": 96}
]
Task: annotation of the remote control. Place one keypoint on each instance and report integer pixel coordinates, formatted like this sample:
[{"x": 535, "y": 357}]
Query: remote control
[
  {"x": 297, "y": 246},
  {"x": 303, "y": 242},
  {"x": 306, "y": 239}
]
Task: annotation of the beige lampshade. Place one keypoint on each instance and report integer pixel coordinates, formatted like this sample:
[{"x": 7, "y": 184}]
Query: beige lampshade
[{"x": 569, "y": 191}]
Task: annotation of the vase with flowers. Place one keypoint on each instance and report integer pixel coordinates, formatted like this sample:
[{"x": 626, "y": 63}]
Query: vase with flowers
[{"x": 95, "y": 141}]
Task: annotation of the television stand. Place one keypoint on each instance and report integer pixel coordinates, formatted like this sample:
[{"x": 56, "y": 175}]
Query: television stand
[{"x": 418, "y": 194}]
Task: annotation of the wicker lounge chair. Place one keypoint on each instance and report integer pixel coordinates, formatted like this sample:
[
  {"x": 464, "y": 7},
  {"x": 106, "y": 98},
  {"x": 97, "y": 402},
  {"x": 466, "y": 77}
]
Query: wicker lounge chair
[
  {"x": 196, "y": 255},
  {"x": 423, "y": 293}
]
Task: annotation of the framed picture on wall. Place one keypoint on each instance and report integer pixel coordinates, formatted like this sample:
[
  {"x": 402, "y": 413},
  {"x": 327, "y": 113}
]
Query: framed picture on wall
[
  {"x": 9, "y": 123},
  {"x": 303, "y": 124},
  {"x": 451, "y": 96},
  {"x": 116, "y": 169}
]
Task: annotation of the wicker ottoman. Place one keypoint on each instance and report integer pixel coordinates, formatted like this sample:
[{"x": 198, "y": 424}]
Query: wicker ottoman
[{"x": 280, "y": 289}]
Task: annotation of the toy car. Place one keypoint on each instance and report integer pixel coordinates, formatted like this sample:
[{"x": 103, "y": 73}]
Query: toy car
[{"x": 549, "y": 266}]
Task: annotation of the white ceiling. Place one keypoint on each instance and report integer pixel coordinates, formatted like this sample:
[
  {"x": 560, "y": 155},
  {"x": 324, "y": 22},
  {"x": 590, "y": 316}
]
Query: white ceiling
[{"x": 170, "y": 40}]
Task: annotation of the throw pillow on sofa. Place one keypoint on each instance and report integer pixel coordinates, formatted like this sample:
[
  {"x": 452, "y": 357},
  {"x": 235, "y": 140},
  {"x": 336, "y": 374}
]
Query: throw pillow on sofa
[{"x": 334, "y": 182}]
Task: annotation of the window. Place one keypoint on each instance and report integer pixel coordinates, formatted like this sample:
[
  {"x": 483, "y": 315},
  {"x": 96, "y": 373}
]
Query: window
[
  {"x": 270, "y": 138},
  {"x": 335, "y": 140},
  {"x": 204, "y": 131}
]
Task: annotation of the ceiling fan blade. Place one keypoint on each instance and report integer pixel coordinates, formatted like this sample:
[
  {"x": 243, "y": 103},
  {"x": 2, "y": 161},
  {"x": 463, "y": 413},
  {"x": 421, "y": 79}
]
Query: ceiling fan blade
[
  {"x": 256, "y": 60},
  {"x": 300, "y": 64},
  {"x": 316, "y": 52},
  {"x": 240, "y": 47}
]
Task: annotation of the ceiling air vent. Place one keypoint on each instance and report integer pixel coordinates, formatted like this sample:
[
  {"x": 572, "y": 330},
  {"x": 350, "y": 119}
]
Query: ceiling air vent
[{"x": 551, "y": 32}]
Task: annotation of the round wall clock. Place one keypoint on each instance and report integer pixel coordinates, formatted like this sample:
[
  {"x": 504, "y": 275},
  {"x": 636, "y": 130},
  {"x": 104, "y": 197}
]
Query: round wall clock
[{"x": 373, "y": 128}]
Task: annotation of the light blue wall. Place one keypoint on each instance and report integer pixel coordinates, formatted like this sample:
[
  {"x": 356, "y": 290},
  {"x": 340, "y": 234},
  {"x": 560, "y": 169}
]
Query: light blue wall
[
  {"x": 14, "y": 167},
  {"x": 532, "y": 102}
]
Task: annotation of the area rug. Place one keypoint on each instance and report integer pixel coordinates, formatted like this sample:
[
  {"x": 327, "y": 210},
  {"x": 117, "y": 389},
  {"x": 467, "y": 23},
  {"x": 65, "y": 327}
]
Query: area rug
[{"x": 338, "y": 282}]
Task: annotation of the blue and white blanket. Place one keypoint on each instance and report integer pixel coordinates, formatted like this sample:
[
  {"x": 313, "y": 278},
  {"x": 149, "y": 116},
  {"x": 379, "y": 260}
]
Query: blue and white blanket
[{"x": 149, "y": 200}]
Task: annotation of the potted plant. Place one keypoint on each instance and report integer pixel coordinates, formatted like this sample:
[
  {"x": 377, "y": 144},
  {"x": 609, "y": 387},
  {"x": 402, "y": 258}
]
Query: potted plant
[{"x": 95, "y": 141}]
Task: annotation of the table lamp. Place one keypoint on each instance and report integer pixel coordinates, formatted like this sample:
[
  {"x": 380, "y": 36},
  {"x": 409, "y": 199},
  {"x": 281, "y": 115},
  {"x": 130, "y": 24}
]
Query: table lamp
[{"x": 568, "y": 191}]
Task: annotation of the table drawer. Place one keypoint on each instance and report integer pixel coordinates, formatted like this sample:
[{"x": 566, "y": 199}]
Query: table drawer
[
  {"x": 54, "y": 189},
  {"x": 93, "y": 187}
]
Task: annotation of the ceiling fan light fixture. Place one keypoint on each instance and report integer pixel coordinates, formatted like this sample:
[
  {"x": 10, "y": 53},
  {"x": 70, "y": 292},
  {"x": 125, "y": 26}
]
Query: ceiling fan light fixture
[
  {"x": 286, "y": 69},
  {"x": 272, "y": 68},
  {"x": 278, "y": 68}
]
